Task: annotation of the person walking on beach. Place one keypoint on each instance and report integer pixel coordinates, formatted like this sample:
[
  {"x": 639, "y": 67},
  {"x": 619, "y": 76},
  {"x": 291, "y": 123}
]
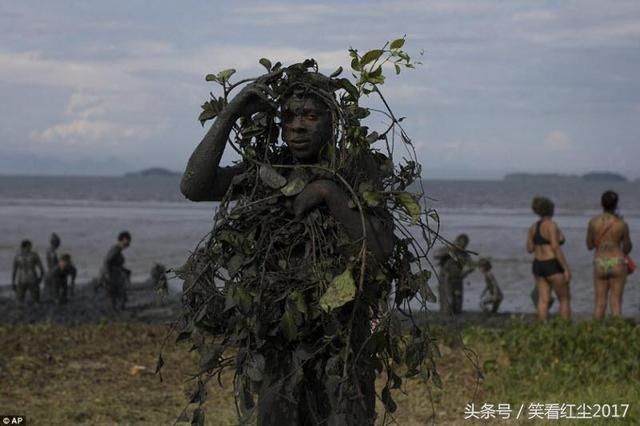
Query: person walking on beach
[
  {"x": 27, "y": 274},
  {"x": 550, "y": 268},
  {"x": 491, "y": 296},
  {"x": 63, "y": 277},
  {"x": 114, "y": 275},
  {"x": 455, "y": 265},
  {"x": 608, "y": 235},
  {"x": 51, "y": 261}
]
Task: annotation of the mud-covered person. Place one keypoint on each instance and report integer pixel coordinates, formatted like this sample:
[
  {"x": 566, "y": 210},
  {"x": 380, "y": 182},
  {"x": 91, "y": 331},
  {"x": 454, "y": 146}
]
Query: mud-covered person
[
  {"x": 455, "y": 264},
  {"x": 27, "y": 274},
  {"x": 115, "y": 276},
  {"x": 307, "y": 130},
  {"x": 491, "y": 296},
  {"x": 63, "y": 278},
  {"x": 51, "y": 260}
]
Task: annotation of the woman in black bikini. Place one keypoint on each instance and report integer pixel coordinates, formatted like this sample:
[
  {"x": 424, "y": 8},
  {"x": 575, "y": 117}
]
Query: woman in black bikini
[
  {"x": 608, "y": 234},
  {"x": 550, "y": 267}
]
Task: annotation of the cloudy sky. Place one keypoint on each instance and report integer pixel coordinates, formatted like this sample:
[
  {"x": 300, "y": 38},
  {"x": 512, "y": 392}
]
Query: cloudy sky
[{"x": 112, "y": 86}]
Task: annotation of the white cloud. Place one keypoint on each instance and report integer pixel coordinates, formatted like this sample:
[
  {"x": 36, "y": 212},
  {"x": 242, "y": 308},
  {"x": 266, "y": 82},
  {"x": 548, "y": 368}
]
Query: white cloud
[
  {"x": 557, "y": 140},
  {"x": 83, "y": 131}
]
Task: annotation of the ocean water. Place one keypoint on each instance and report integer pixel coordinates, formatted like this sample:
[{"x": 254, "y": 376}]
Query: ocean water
[{"x": 89, "y": 212}]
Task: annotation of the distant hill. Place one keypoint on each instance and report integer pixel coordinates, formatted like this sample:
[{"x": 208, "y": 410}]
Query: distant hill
[
  {"x": 539, "y": 177},
  {"x": 590, "y": 177},
  {"x": 154, "y": 171},
  {"x": 604, "y": 176}
]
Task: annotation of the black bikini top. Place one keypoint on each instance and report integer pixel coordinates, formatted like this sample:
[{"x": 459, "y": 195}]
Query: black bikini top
[{"x": 538, "y": 239}]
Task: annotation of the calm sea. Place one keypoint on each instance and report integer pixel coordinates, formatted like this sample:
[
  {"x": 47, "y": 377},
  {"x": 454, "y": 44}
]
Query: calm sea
[{"x": 88, "y": 213}]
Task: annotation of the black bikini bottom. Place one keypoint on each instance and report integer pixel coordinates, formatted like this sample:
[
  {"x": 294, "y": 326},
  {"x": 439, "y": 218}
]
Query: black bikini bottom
[{"x": 545, "y": 268}]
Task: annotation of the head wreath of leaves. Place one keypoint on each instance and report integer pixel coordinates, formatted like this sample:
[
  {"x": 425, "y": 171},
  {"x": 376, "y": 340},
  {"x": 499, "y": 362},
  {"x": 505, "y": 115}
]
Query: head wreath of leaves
[{"x": 267, "y": 294}]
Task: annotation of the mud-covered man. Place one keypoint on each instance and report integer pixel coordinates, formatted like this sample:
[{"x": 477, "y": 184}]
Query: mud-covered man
[
  {"x": 27, "y": 274},
  {"x": 115, "y": 277},
  {"x": 455, "y": 265},
  {"x": 63, "y": 278},
  {"x": 307, "y": 131},
  {"x": 52, "y": 261}
]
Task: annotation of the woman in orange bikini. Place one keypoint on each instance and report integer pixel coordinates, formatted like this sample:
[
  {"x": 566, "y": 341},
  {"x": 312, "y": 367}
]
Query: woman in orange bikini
[
  {"x": 550, "y": 268},
  {"x": 608, "y": 234}
]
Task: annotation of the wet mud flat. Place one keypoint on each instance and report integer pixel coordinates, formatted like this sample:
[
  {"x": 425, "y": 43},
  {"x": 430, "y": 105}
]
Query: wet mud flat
[{"x": 144, "y": 305}]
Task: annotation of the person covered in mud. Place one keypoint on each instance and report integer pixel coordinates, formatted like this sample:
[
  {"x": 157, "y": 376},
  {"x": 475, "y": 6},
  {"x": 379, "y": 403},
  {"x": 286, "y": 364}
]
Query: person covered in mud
[
  {"x": 158, "y": 280},
  {"x": 115, "y": 277},
  {"x": 27, "y": 274},
  {"x": 307, "y": 131},
  {"x": 491, "y": 296},
  {"x": 63, "y": 278},
  {"x": 52, "y": 262},
  {"x": 455, "y": 264}
]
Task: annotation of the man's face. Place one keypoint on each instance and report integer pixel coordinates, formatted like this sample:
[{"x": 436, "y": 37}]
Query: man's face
[
  {"x": 62, "y": 263},
  {"x": 124, "y": 243},
  {"x": 306, "y": 127}
]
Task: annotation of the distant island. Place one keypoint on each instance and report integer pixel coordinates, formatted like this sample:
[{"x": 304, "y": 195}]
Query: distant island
[
  {"x": 590, "y": 177},
  {"x": 154, "y": 171},
  {"x": 605, "y": 176}
]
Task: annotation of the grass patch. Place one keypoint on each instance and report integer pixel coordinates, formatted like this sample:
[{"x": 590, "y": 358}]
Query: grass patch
[{"x": 91, "y": 374}]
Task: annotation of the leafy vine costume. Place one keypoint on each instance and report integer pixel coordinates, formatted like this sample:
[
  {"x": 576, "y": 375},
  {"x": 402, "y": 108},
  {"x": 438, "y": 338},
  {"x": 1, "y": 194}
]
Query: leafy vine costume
[{"x": 306, "y": 313}]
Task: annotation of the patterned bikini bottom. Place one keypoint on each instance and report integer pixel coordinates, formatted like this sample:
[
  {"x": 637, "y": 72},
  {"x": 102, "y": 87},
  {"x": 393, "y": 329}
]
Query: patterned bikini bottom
[{"x": 606, "y": 264}]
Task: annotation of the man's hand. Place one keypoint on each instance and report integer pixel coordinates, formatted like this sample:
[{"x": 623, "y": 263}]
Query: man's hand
[
  {"x": 314, "y": 194},
  {"x": 253, "y": 98}
]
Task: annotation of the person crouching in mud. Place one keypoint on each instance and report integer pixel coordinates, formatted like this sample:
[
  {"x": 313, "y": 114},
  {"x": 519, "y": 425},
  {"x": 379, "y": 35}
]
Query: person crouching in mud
[
  {"x": 491, "y": 296},
  {"x": 307, "y": 132}
]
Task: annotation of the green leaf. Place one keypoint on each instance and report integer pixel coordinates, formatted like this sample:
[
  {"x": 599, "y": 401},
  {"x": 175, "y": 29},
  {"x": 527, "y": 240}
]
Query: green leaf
[
  {"x": 371, "y": 56},
  {"x": 372, "y": 198},
  {"x": 350, "y": 88},
  {"x": 265, "y": 63},
  {"x": 372, "y": 137},
  {"x": 355, "y": 64},
  {"x": 341, "y": 290},
  {"x": 422, "y": 280},
  {"x": 397, "y": 43},
  {"x": 397, "y": 67},
  {"x": 410, "y": 205},
  {"x": 210, "y": 357},
  {"x": 225, "y": 74},
  {"x": 336, "y": 73},
  {"x": 211, "y": 77},
  {"x": 234, "y": 264},
  {"x": 288, "y": 326},
  {"x": 270, "y": 177}
]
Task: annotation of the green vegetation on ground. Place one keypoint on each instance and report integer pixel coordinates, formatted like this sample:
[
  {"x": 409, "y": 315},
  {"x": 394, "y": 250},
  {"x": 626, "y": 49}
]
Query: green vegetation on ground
[{"x": 103, "y": 374}]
